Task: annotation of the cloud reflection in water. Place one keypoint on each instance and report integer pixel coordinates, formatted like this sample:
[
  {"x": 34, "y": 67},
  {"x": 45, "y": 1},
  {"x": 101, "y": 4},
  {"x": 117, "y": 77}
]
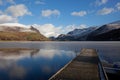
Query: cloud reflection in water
[{"x": 32, "y": 64}]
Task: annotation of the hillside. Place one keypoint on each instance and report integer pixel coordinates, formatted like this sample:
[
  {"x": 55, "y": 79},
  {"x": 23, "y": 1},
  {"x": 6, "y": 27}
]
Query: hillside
[
  {"x": 106, "y": 32},
  {"x": 108, "y": 36},
  {"x": 21, "y": 36},
  {"x": 18, "y": 32},
  {"x": 77, "y": 34}
]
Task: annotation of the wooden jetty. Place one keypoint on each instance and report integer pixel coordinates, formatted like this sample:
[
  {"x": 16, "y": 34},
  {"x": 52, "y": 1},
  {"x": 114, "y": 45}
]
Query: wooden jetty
[{"x": 84, "y": 67}]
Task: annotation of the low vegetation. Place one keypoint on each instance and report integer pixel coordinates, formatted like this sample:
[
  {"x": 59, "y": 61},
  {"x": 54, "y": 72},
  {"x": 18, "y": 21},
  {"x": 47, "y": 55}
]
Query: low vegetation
[{"x": 21, "y": 36}]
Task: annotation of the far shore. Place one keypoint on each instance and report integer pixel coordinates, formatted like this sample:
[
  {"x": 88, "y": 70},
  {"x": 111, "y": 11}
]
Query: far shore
[{"x": 66, "y": 41}]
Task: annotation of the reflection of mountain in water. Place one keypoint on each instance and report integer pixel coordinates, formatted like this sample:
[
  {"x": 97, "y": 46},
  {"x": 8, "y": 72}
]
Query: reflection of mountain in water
[
  {"x": 32, "y": 64},
  {"x": 8, "y": 62},
  {"x": 17, "y": 53}
]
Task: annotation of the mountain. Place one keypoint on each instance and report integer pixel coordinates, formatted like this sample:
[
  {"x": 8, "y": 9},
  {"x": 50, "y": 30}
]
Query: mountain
[
  {"x": 101, "y": 34},
  {"x": 19, "y": 32},
  {"x": 16, "y": 27},
  {"x": 81, "y": 32},
  {"x": 105, "y": 32},
  {"x": 106, "y": 28},
  {"x": 77, "y": 34},
  {"x": 113, "y": 35},
  {"x": 65, "y": 37},
  {"x": 116, "y": 22}
]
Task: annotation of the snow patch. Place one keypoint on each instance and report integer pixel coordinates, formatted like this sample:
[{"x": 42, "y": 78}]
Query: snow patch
[{"x": 14, "y": 25}]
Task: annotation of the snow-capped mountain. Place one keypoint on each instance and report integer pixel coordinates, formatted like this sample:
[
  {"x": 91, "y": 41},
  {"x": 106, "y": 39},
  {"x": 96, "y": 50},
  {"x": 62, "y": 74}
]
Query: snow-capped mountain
[
  {"x": 16, "y": 27},
  {"x": 77, "y": 34},
  {"x": 113, "y": 35},
  {"x": 106, "y": 32},
  {"x": 16, "y": 31},
  {"x": 81, "y": 32},
  {"x": 106, "y": 28},
  {"x": 91, "y": 32}
]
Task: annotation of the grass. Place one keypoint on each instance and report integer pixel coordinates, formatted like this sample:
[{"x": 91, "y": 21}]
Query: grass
[{"x": 22, "y": 36}]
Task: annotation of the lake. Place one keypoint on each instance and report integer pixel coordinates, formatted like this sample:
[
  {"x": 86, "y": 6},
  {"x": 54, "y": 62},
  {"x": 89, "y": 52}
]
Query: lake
[{"x": 40, "y": 60}]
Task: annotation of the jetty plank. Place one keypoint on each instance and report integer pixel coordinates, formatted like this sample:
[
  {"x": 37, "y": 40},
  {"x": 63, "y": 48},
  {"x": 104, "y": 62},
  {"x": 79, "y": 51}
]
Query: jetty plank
[{"x": 83, "y": 67}]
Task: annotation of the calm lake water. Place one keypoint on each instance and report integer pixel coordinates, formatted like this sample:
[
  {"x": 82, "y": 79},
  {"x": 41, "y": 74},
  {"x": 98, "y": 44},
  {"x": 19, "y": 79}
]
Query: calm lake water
[{"x": 40, "y": 60}]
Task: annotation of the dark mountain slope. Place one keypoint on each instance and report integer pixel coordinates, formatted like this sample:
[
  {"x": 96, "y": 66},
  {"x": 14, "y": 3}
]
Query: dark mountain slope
[
  {"x": 103, "y": 33},
  {"x": 113, "y": 35}
]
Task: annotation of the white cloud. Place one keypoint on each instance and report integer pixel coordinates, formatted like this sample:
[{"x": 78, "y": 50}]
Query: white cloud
[
  {"x": 104, "y": 1},
  {"x": 11, "y": 1},
  {"x": 81, "y": 13},
  {"x": 100, "y": 2},
  {"x": 6, "y": 18},
  {"x": 118, "y": 5},
  {"x": 51, "y": 30},
  {"x": 1, "y": 2},
  {"x": 72, "y": 27},
  {"x": 48, "y": 13},
  {"x": 18, "y": 10},
  {"x": 48, "y": 29},
  {"x": 12, "y": 13},
  {"x": 15, "y": 24},
  {"x": 39, "y": 2},
  {"x": 105, "y": 11},
  {"x": 49, "y": 53},
  {"x": 1, "y": 12},
  {"x": 7, "y": 1}
]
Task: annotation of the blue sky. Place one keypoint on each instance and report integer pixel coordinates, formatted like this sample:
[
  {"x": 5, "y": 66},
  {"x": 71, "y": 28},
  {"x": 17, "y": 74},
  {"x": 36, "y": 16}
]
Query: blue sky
[{"x": 60, "y": 13}]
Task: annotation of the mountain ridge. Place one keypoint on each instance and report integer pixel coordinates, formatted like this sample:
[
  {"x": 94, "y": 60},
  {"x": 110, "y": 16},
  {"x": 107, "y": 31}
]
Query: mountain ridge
[
  {"x": 88, "y": 34},
  {"x": 19, "y": 32}
]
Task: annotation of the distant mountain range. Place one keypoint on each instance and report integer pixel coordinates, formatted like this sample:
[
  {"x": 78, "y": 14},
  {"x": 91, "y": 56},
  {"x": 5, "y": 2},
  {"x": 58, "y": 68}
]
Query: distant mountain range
[
  {"x": 107, "y": 32},
  {"x": 19, "y": 32}
]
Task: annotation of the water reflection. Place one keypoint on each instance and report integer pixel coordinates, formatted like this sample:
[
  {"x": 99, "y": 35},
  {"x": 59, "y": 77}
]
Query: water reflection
[
  {"x": 110, "y": 56},
  {"x": 32, "y": 64},
  {"x": 17, "y": 53},
  {"x": 40, "y": 60}
]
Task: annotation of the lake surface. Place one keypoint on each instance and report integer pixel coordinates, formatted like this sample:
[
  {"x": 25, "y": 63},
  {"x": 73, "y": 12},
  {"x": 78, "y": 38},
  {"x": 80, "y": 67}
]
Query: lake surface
[{"x": 40, "y": 60}]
